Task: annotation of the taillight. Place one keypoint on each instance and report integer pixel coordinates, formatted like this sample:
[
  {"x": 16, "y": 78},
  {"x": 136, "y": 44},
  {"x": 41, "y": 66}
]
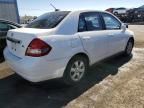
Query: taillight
[{"x": 38, "y": 48}]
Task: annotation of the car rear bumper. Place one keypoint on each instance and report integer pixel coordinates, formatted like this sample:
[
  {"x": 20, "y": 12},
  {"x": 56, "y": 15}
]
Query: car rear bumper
[{"x": 35, "y": 69}]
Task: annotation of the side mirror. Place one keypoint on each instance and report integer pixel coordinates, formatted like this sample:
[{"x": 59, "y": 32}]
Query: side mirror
[{"x": 124, "y": 26}]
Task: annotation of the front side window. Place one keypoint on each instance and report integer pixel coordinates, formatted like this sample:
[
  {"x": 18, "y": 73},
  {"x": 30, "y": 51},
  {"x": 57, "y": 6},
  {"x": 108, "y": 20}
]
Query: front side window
[
  {"x": 111, "y": 23},
  {"x": 49, "y": 20}
]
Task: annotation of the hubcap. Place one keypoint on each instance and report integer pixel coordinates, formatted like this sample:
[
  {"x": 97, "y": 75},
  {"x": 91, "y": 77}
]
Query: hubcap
[
  {"x": 129, "y": 47},
  {"x": 77, "y": 70}
]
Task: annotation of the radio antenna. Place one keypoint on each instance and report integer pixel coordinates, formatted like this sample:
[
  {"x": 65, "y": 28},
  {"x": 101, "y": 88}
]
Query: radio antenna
[{"x": 54, "y": 7}]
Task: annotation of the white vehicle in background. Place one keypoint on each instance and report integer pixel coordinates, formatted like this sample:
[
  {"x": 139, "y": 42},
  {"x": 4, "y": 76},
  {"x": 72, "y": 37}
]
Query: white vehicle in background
[
  {"x": 64, "y": 44},
  {"x": 119, "y": 11}
]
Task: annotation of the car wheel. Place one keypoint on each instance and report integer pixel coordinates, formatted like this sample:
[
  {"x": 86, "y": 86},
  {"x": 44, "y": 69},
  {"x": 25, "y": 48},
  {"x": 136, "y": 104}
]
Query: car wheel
[
  {"x": 75, "y": 70},
  {"x": 129, "y": 48}
]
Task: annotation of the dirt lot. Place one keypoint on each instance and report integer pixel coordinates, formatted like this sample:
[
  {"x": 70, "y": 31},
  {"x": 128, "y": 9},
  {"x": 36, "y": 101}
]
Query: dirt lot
[
  {"x": 123, "y": 90},
  {"x": 116, "y": 83},
  {"x": 139, "y": 35}
]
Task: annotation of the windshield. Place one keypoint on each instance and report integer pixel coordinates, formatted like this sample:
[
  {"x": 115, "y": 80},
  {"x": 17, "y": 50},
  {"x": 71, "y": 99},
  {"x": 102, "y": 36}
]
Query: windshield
[{"x": 48, "y": 20}]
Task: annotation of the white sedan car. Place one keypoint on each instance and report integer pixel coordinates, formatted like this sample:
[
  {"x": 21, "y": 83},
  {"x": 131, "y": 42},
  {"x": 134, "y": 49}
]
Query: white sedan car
[
  {"x": 118, "y": 11},
  {"x": 64, "y": 44}
]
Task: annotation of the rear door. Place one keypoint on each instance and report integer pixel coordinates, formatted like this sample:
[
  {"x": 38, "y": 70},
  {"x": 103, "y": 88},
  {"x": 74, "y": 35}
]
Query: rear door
[{"x": 92, "y": 35}]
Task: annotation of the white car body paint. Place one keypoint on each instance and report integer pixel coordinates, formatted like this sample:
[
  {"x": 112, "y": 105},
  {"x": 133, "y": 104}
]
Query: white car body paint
[{"x": 66, "y": 42}]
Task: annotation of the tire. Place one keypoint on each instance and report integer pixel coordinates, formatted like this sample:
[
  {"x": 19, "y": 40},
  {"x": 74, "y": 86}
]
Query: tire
[
  {"x": 75, "y": 70},
  {"x": 129, "y": 48}
]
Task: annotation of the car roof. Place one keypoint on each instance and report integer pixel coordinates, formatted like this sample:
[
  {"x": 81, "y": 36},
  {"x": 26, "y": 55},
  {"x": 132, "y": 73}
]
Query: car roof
[
  {"x": 78, "y": 12},
  {"x": 10, "y": 22},
  {"x": 82, "y": 11}
]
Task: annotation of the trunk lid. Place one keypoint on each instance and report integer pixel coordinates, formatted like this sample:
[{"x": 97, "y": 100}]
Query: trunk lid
[{"x": 19, "y": 39}]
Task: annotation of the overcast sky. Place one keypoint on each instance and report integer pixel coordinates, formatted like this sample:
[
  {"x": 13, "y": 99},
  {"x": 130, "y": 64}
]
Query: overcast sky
[{"x": 38, "y": 7}]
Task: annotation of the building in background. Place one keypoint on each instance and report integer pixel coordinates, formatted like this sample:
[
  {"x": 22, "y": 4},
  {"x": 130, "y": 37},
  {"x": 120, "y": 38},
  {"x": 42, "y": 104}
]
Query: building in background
[{"x": 9, "y": 10}]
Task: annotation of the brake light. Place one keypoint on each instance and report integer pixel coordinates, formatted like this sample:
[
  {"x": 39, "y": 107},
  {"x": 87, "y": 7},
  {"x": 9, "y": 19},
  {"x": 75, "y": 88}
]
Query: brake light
[{"x": 38, "y": 48}]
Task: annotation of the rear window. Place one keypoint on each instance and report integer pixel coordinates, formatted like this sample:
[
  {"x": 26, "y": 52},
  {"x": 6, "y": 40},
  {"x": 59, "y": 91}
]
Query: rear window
[{"x": 48, "y": 20}]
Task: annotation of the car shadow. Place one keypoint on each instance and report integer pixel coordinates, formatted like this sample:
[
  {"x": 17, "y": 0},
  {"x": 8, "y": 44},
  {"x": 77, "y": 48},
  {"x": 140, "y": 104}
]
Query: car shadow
[
  {"x": 1, "y": 57},
  {"x": 15, "y": 92}
]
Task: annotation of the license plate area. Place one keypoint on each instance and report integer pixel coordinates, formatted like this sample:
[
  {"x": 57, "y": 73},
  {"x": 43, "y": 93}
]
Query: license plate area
[{"x": 13, "y": 46}]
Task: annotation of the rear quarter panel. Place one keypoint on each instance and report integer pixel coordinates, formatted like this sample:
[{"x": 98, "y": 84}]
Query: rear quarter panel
[{"x": 63, "y": 46}]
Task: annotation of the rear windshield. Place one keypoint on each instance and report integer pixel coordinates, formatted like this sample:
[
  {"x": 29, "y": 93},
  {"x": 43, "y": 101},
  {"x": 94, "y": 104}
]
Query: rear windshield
[{"x": 48, "y": 20}]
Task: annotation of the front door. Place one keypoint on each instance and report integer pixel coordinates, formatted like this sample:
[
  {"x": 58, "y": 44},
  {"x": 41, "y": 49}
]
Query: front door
[
  {"x": 116, "y": 36},
  {"x": 93, "y": 36}
]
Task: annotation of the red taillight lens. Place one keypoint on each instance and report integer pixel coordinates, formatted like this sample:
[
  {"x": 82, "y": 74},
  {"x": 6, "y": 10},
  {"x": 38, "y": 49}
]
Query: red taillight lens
[{"x": 38, "y": 48}]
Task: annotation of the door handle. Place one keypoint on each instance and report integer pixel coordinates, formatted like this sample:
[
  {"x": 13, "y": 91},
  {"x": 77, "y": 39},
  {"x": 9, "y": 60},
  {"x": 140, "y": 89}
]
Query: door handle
[
  {"x": 86, "y": 38},
  {"x": 111, "y": 34}
]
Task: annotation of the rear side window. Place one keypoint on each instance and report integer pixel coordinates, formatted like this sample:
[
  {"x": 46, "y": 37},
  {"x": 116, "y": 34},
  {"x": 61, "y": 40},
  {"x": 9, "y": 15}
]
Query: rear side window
[
  {"x": 111, "y": 23},
  {"x": 90, "y": 22},
  {"x": 82, "y": 24},
  {"x": 49, "y": 20}
]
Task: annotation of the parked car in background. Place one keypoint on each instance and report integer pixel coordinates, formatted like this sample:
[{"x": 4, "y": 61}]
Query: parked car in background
[
  {"x": 119, "y": 11},
  {"x": 4, "y": 27},
  {"x": 64, "y": 44},
  {"x": 110, "y": 10},
  {"x": 136, "y": 14}
]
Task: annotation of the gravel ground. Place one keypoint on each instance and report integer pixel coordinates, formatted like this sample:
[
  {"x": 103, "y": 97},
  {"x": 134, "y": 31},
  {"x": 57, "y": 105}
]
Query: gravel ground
[{"x": 124, "y": 90}]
